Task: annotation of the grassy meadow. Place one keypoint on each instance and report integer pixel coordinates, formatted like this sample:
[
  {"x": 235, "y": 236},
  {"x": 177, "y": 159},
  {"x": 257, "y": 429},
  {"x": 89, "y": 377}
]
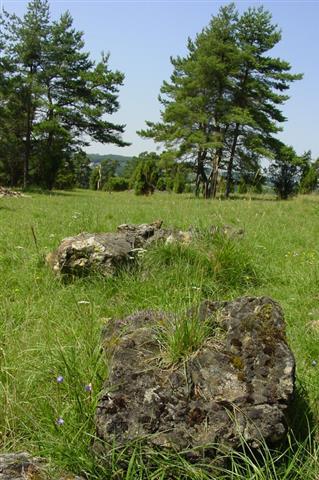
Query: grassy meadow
[{"x": 50, "y": 328}]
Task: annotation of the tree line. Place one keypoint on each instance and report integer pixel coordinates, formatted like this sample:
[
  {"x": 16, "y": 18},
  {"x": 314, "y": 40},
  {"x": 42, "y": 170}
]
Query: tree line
[
  {"x": 53, "y": 97},
  {"x": 221, "y": 110}
]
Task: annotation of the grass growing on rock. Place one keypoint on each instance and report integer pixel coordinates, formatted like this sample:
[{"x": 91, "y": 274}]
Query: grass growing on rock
[
  {"x": 180, "y": 337},
  {"x": 50, "y": 329}
]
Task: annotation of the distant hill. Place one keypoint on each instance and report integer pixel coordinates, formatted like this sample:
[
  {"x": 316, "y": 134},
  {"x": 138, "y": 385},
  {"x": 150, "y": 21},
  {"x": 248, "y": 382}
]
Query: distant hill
[{"x": 96, "y": 158}]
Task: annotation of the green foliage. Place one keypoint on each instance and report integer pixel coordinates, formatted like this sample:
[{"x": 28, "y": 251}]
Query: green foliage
[
  {"x": 179, "y": 181},
  {"x": 309, "y": 182},
  {"x": 121, "y": 161},
  {"x": 146, "y": 173},
  {"x": 309, "y": 173},
  {"x": 95, "y": 179},
  {"x": 223, "y": 98},
  {"x": 65, "y": 178},
  {"x": 161, "y": 184},
  {"x": 285, "y": 171},
  {"x": 61, "y": 95},
  {"x": 116, "y": 184},
  {"x": 82, "y": 169},
  {"x": 242, "y": 186}
]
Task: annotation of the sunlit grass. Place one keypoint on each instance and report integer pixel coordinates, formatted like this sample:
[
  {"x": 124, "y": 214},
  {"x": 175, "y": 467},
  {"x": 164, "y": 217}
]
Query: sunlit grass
[{"x": 49, "y": 328}]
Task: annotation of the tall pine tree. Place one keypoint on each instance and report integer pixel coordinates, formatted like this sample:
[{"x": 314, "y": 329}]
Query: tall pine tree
[
  {"x": 63, "y": 94},
  {"x": 223, "y": 98}
]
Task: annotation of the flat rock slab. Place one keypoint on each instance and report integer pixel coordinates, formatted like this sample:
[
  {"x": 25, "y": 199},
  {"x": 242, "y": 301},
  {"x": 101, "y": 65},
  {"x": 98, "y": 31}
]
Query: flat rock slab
[{"x": 238, "y": 385}]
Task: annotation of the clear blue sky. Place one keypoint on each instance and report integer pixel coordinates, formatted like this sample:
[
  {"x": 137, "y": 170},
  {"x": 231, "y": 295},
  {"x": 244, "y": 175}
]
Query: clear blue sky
[{"x": 142, "y": 35}]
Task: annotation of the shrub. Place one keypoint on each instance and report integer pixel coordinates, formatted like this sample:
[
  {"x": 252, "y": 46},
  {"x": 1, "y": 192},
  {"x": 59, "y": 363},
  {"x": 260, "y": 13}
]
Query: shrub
[
  {"x": 242, "y": 186},
  {"x": 161, "y": 184},
  {"x": 116, "y": 184},
  {"x": 179, "y": 182}
]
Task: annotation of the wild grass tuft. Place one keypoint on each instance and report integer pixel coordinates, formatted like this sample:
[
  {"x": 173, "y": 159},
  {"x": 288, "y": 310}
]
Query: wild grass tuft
[{"x": 181, "y": 337}]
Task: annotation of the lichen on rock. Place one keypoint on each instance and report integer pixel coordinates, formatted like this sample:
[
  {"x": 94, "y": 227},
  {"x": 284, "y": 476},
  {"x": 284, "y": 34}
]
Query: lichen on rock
[{"x": 235, "y": 387}]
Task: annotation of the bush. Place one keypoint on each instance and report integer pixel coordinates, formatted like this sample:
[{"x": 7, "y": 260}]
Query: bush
[
  {"x": 146, "y": 174},
  {"x": 242, "y": 186},
  {"x": 116, "y": 184},
  {"x": 64, "y": 180},
  {"x": 179, "y": 182},
  {"x": 161, "y": 184},
  {"x": 310, "y": 181}
]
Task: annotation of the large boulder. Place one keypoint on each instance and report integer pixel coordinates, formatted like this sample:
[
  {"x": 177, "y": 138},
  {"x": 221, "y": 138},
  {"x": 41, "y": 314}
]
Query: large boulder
[{"x": 236, "y": 387}]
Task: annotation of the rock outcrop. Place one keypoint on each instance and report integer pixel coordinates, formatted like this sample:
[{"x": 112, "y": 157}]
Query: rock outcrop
[
  {"x": 7, "y": 192},
  {"x": 106, "y": 252},
  {"x": 102, "y": 252},
  {"x": 236, "y": 387}
]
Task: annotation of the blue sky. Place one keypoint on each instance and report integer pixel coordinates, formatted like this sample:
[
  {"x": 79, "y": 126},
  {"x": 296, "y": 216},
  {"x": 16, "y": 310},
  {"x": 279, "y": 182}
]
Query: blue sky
[{"x": 142, "y": 35}]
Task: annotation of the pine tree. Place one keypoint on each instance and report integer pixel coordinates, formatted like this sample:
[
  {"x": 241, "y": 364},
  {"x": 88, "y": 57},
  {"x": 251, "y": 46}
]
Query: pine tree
[
  {"x": 194, "y": 119},
  {"x": 223, "y": 97},
  {"x": 64, "y": 95},
  {"x": 260, "y": 81},
  {"x": 285, "y": 170}
]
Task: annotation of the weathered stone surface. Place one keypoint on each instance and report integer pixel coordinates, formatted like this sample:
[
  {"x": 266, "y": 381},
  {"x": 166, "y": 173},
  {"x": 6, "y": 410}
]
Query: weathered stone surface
[
  {"x": 22, "y": 466},
  {"x": 237, "y": 385},
  {"x": 7, "y": 192},
  {"x": 102, "y": 252},
  {"x": 106, "y": 252}
]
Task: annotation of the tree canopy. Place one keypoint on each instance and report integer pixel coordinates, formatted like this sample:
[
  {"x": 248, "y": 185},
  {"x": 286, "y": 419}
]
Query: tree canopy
[
  {"x": 223, "y": 100},
  {"x": 53, "y": 97}
]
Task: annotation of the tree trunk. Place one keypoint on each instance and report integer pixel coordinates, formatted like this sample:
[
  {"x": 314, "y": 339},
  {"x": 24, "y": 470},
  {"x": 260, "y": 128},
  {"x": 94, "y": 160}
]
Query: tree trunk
[
  {"x": 201, "y": 176},
  {"x": 27, "y": 149},
  {"x": 27, "y": 154},
  {"x": 214, "y": 174},
  {"x": 231, "y": 161}
]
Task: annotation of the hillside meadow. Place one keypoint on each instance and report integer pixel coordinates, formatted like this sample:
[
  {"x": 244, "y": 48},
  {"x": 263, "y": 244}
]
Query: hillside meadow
[{"x": 50, "y": 328}]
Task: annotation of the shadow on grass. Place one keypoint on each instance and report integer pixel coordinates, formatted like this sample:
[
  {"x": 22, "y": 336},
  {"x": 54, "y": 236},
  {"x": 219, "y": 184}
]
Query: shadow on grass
[
  {"x": 5, "y": 207},
  {"x": 300, "y": 416},
  {"x": 53, "y": 193},
  {"x": 234, "y": 196}
]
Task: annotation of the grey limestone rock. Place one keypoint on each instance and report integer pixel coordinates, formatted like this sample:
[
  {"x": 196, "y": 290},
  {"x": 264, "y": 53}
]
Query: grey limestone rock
[
  {"x": 102, "y": 252},
  {"x": 237, "y": 386},
  {"x": 106, "y": 252}
]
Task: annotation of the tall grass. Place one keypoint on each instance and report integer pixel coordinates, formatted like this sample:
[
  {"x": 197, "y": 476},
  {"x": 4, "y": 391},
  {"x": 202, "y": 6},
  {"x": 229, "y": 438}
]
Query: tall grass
[{"x": 47, "y": 331}]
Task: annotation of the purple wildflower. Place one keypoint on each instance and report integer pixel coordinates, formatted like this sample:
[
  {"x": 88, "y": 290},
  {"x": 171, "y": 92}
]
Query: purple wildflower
[
  {"x": 88, "y": 387},
  {"x": 59, "y": 379},
  {"x": 59, "y": 421}
]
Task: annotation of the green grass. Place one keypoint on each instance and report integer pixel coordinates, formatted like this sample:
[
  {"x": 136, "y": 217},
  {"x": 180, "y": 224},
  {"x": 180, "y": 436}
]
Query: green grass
[{"x": 46, "y": 331}]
